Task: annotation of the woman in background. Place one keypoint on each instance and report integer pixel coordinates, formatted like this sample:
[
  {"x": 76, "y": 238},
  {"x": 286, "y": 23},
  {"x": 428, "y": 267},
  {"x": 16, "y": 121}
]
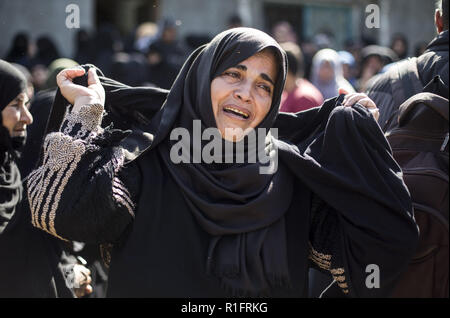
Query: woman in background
[{"x": 327, "y": 74}]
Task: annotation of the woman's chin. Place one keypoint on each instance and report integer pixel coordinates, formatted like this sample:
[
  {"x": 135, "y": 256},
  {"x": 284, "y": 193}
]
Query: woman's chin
[
  {"x": 235, "y": 134},
  {"x": 232, "y": 138}
]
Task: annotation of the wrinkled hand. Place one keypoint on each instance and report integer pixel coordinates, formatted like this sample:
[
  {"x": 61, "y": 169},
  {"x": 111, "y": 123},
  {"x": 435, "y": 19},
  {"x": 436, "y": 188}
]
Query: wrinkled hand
[
  {"x": 362, "y": 99},
  {"x": 82, "y": 279},
  {"x": 79, "y": 95}
]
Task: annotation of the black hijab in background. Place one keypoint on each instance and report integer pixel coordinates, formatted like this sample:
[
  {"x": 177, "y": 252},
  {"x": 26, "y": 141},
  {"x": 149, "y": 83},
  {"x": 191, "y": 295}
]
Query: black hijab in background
[
  {"x": 28, "y": 257},
  {"x": 12, "y": 83}
]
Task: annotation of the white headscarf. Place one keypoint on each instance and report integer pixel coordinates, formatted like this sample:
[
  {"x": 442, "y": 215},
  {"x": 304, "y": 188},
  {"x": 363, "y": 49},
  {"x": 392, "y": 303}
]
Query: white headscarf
[{"x": 329, "y": 89}]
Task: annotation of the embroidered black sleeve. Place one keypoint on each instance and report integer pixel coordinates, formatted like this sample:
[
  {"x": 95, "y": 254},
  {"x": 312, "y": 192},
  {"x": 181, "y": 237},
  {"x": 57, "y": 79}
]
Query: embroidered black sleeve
[
  {"x": 77, "y": 193},
  {"x": 325, "y": 242}
]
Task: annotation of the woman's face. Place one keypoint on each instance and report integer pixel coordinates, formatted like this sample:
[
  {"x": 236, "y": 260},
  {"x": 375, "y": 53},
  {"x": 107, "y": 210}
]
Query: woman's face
[
  {"x": 399, "y": 47},
  {"x": 16, "y": 116},
  {"x": 326, "y": 72},
  {"x": 242, "y": 95}
]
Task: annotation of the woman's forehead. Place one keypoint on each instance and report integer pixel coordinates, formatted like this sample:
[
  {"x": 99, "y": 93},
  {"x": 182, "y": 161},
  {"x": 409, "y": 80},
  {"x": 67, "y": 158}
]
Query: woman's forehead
[
  {"x": 263, "y": 62},
  {"x": 21, "y": 97}
]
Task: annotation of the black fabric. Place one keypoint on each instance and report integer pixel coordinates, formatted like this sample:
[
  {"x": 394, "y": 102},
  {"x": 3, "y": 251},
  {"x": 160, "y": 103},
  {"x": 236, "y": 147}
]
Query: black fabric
[
  {"x": 12, "y": 83},
  {"x": 433, "y": 62},
  {"x": 165, "y": 252},
  {"x": 29, "y": 260},
  {"x": 10, "y": 182},
  {"x": 349, "y": 165},
  {"x": 338, "y": 153},
  {"x": 40, "y": 108}
]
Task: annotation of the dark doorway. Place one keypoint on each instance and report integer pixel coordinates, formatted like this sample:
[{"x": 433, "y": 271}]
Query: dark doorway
[
  {"x": 105, "y": 11},
  {"x": 126, "y": 15},
  {"x": 284, "y": 12}
]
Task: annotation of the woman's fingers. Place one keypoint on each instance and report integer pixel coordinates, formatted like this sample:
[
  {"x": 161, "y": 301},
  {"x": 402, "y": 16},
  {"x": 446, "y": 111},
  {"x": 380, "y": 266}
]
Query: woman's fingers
[
  {"x": 74, "y": 72},
  {"x": 363, "y": 100},
  {"x": 352, "y": 99},
  {"x": 88, "y": 289},
  {"x": 83, "y": 290},
  {"x": 83, "y": 280},
  {"x": 367, "y": 102},
  {"x": 95, "y": 85},
  {"x": 93, "y": 77},
  {"x": 342, "y": 91},
  {"x": 69, "y": 90},
  {"x": 375, "y": 112},
  {"x": 78, "y": 94},
  {"x": 360, "y": 98},
  {"x": 67, "y": 75}
]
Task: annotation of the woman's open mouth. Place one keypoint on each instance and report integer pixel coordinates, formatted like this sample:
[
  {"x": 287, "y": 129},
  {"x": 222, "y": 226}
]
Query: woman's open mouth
[
  {"x": 235, "y": 112},
  {"x": 19, "y": 132}
]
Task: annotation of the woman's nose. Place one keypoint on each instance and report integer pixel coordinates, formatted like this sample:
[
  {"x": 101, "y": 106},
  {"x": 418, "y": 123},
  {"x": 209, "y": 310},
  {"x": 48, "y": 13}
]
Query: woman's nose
[
  {"x": 26, "y": 117},
  {"x": 243, "y": 93}
]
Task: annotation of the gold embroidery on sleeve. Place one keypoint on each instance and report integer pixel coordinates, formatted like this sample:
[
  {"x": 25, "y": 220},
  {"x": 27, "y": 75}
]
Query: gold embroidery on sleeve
[
  {"x": 323, "y": 261},
  {"x": 121, "y": 194},
  {"x": 61, "y": 157},
  {"x": 90, "y": 118},
  {"x": 62, "y": 154},
  {"x": 320, "y": 259},
  {"x": 121, "y": 200}
]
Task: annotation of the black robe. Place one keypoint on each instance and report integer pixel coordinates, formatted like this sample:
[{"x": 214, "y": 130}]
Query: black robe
[{"x": 160, "y": 251}]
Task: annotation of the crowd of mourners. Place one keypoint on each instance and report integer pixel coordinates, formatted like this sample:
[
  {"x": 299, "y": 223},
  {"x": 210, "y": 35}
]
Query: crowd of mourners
[{"x": 153, "y": 55}]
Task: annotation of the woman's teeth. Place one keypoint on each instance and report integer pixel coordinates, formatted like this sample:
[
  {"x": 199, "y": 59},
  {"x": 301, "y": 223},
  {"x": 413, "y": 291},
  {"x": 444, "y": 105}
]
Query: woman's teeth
[{"x": 236, "y": 111}]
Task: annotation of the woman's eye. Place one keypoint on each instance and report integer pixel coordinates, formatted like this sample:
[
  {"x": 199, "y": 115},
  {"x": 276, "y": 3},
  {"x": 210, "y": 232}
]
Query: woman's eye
[
  {"x": 266, "y": 88},
  {"x": 232, "y": 74}
]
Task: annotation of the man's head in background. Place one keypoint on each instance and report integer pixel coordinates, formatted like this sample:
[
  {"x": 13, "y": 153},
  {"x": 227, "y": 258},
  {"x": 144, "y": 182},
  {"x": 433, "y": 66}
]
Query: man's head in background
[
  {"x": 295, "y": 58},
  {"x": 295, "y": 64},
  {"x": 441, "y": 15}
]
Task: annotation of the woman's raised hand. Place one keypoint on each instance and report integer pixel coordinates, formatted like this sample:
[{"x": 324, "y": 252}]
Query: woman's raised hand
[
  {"x": 362, "y": 99},
  {"x": 79, "y": 95}
]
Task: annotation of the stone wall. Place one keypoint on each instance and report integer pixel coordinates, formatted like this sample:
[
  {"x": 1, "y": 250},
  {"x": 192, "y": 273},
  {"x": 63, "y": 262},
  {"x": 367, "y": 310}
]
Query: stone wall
[
  {"x": 42, "y": 17},
  {"x": 414, "y": 18}
]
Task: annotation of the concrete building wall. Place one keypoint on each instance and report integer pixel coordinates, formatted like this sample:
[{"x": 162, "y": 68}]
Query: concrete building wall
[
  {"x": 414, "y": 18},
  {"x": 42, "y": 17},
  {"x": 199, "y": 16}
]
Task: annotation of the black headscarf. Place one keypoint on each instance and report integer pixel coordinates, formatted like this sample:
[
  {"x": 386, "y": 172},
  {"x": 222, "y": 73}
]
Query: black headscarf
[
  {"x": 338, "y": 152},
  {"x": 12, "y": 83}
]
